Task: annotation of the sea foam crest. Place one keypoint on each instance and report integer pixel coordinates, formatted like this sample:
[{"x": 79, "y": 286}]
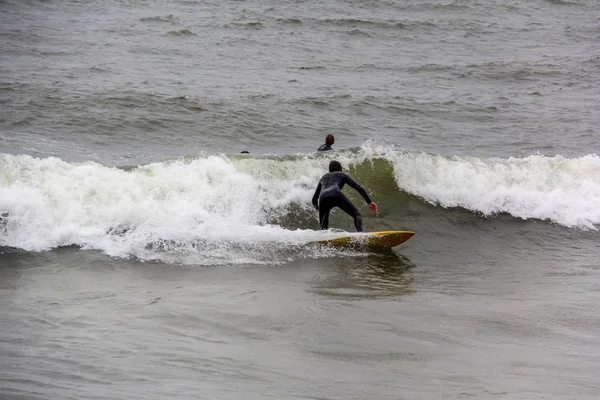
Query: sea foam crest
[
  {"x": 178, "y": 206},
  {"x": 563, "y": 190}
]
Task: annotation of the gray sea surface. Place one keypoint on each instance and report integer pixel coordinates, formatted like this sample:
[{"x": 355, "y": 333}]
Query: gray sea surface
[{"x": 143, "y": 257}]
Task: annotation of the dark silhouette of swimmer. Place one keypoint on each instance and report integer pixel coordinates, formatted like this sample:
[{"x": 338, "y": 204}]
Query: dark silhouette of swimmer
[
  {"x": 329, "y": 195},
  {"x": 329, "y": 141}
]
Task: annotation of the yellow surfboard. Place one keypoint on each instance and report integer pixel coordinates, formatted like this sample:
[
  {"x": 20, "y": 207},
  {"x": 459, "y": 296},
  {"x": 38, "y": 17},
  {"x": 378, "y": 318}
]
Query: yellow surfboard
[{"x": 382, "y": 239}]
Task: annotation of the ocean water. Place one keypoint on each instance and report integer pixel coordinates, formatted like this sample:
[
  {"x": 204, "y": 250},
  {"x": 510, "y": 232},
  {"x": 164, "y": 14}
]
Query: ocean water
[{"x": 142, "y": 256}]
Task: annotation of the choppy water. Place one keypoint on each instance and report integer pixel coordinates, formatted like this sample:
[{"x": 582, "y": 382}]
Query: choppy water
[{"x": 143, "y": 257}]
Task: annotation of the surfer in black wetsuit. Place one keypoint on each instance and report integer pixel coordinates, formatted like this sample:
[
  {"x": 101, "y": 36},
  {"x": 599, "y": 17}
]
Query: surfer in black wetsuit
[
  {"x": 329, "y": 141},
  {"x": 329, "y": 195}
]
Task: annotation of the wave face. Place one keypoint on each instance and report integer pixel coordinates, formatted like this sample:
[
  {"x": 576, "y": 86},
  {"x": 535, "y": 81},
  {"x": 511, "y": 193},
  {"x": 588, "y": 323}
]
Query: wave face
[{"x": 218, "y": 208}]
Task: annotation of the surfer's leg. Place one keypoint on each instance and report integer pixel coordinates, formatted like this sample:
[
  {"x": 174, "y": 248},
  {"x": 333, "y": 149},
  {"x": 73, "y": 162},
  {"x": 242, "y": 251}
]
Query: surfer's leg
[
  {"x": 358, "y": 223},
  {"x": 325, "y": 206},
  {"x": 349, "y": 209},
  {"x": 324, "y": 219}
]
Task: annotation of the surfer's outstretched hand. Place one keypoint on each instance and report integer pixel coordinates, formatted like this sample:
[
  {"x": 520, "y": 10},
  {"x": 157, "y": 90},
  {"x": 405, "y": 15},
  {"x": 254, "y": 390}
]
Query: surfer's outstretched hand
[{"x": 373, "y": 207}]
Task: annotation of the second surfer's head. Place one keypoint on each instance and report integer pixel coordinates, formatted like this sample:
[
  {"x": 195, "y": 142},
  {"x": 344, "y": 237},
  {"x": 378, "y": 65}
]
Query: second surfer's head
[{"x": 335, "y": 166}]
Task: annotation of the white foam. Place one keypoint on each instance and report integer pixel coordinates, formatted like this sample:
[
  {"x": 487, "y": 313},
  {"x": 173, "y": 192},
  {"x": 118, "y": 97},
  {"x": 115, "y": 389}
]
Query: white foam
[
  {"x": 563, "y": 190},
  {"x": 182, "y": 211}
]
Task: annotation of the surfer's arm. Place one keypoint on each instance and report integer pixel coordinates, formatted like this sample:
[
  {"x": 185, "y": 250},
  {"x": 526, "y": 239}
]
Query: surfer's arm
[
  {"x": 358, "y": 188},
  {"x": 315, "y": 199}
]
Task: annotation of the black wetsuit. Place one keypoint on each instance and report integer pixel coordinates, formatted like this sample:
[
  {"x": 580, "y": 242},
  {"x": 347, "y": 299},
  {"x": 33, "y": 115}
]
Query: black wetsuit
[
  {"x": 329, "y": 195},
  {"x": 324, "y": 147}
]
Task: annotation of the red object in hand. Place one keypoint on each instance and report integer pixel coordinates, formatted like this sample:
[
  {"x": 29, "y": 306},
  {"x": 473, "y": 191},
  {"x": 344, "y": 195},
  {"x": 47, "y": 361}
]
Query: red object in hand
[{"x": 373, "y": 207}]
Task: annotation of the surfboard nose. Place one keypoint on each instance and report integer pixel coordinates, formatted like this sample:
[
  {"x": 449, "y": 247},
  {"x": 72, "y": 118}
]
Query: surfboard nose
[{"x": 389, "y": 238}]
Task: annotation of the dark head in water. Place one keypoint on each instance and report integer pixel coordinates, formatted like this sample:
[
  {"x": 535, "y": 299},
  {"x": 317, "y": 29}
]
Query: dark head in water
[
  {"x": 329, "y": 140},
  {"x": 335, "y": 166}
]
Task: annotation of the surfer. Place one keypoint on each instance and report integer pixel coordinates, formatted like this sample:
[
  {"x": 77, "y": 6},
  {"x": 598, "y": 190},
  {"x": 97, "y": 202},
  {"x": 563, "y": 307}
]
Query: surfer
[
  {"x": 329, "y": 195},
  {"x": 329, "y": 140}
]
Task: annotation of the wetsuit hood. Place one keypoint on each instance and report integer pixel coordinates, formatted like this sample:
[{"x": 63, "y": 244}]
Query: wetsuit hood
[{"x": 335, "y": 166}]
